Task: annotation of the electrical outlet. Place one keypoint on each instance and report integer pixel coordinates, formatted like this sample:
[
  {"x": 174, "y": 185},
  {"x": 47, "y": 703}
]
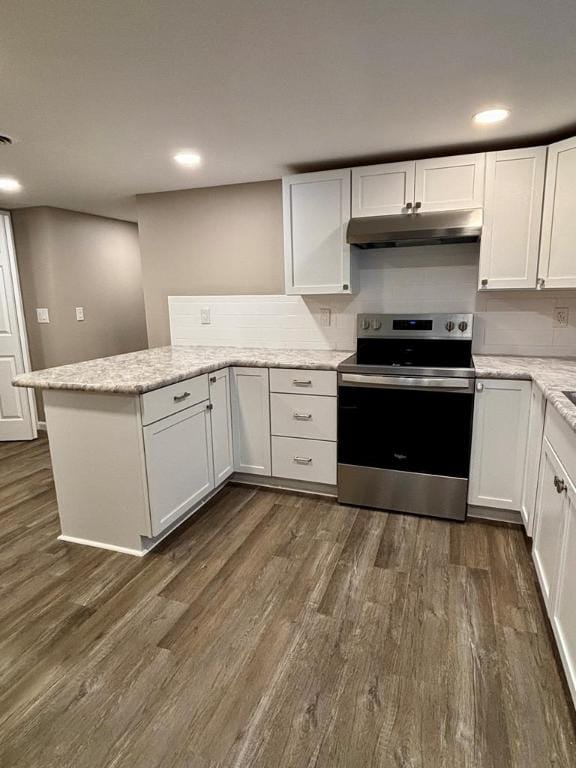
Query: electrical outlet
[
  {"x": 561, "y": 315},
  {"x": 42, "y": 315},
  {"x": 205, "y": 316},
  {"x": 325, "y": 317},
  {"x": 79, "y": 313}
]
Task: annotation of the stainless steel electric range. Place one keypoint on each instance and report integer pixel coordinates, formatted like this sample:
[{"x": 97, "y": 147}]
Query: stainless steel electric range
[{"x": 405, "y": 403}]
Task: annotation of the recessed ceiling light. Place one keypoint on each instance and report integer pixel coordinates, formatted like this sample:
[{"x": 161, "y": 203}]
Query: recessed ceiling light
[
  {"x": 8, "y": 184},
  {"x": 187, "y": 158},
  {"x": 491, "y": 116}
]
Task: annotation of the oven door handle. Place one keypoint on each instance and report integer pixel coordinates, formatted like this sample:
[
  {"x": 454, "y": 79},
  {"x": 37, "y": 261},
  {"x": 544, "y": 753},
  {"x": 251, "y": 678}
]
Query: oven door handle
[{"x": 405, "y": 382}]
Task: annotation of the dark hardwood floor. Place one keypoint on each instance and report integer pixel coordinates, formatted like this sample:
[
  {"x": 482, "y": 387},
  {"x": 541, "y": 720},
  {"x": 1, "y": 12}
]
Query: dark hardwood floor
[{"x": 273, "y": 630}]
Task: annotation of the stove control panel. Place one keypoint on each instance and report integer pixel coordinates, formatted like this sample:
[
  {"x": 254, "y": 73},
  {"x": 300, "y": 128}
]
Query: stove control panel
[{"x": 416, "y": 326}]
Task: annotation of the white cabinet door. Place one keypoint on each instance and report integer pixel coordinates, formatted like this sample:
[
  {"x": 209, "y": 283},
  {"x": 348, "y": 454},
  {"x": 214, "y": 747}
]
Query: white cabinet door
[
  {"x": 558, "y": 246},
  {"x": 17, "y": 412},
  {"x": 251, "y": 420},
  {"x": 533, "y": 453},
  {"x": 549, "y": 523},
  {"x": 512, "y": 218},
  {"x": 564, "y": 617},
  {"x": 221, "y": 419},
  {"x": 381, "y": 190},
  {"x": 500, "y": 430},
  {"x": 316, "y": 216},
  {"x": 178, "y": 464},
  {"x": 449, "y": 183}
]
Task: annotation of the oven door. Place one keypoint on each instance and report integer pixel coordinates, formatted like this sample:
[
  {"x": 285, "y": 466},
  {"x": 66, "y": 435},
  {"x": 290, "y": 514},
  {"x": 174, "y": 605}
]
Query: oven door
[
  {"x": 405, "y": 423},
  {"x": 404, "y": 443}
]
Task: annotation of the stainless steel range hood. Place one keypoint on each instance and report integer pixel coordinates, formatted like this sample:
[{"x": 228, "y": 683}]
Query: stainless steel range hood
[{"x": 416, "y": 229}]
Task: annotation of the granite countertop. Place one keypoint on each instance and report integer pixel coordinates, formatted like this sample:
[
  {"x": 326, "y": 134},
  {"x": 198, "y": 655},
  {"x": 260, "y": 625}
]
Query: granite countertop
[
  {"x": 552, "y": 375},
  {"x": 139, "y": 372}
]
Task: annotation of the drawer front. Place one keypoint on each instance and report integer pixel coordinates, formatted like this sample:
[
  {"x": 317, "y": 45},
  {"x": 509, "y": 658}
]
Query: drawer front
[
  {"x": 311, "y": 460},
  {"x": 173, "y": 398},
  {"x": 303, "y": 381},
  {"x": 311, "y": 416}
]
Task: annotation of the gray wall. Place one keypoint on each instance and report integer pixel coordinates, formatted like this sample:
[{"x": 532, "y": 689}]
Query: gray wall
[
  {"x": 67, "y": 260},
  {"x": 215, "y": 240}
]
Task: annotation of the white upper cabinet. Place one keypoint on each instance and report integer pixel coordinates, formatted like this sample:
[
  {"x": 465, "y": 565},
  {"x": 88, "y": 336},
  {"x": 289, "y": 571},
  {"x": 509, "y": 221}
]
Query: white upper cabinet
[
  {"x": 500, "y": 430},
  {"x": 437, "y": 184},
  {"x": 221, "y": 420},
  {"x": 449, "y": 183},
  {"x": 512, "y": 218},
  {"x": 316, "y": 216},
  {"x": 381, "y": 190},
  {"x": 558, "y": 247}
]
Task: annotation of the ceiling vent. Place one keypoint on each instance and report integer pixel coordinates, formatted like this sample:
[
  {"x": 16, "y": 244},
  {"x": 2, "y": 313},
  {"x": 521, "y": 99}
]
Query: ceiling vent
[{"x": 5, "y": 140}]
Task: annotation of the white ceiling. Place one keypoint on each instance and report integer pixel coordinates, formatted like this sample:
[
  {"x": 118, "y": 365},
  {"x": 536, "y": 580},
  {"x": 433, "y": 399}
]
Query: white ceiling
[{"x": 100, "y": 93}]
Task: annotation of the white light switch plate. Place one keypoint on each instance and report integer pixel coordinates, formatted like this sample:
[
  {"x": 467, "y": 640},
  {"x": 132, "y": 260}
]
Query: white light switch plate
[
  {"x": 205, "y": 316},
  {"x": 42, "y": 315},
  {"x": 79, "y": 313},
  {"x": 561, "y": 315}
]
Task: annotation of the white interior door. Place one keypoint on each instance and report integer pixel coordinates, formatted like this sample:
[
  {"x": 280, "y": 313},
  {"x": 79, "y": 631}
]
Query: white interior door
[{"x": 17, "y": 413}]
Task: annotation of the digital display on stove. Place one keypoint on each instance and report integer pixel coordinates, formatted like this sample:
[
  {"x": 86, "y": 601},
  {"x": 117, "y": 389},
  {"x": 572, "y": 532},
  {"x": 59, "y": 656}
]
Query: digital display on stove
[{"x": 412, "y": 325}]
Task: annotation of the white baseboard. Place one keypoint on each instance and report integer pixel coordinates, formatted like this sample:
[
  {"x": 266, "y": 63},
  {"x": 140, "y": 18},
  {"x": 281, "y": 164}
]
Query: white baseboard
[
  {"x": 497, "y": 515},
  {"x": 102, "y": 545}
]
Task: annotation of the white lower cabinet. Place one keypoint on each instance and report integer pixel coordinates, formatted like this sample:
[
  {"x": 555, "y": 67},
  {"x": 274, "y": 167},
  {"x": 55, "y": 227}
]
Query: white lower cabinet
[
  {"x": 500, "y": 430},
  {"x": 564, "y": 621},
  {"x": 221, "y": 420},
  {"x": 251, "y": 420},
  {"x": 179, "y": 464},
  {"x": 313, "y": 461},
  {"x": 549, "y": 522},
  {"x": 554, "y": 548},
  {"x": 533, "y": 453}
]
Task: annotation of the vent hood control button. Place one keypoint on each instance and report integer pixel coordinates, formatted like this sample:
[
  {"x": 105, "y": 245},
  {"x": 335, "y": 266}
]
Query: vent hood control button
[
  {"x": 365, "y": 324},
  {"x": 376, "y": 325},
  {"x": 463, "y": 325},
  {"x": 450, "y": 326}
]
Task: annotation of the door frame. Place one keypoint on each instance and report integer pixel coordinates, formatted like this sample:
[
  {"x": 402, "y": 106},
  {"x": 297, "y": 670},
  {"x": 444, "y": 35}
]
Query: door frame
[{"x": 6, "y": 220}]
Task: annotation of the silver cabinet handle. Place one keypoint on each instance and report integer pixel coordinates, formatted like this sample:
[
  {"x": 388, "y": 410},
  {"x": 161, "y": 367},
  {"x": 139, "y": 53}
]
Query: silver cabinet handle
[
  {"x": 479, "y": 387},
  {"x": 302, "y": 416},
  {"x": 408, "y": 206},
  {"x": 302, "y": 382},
  {"x": 540, "y": 283},
  {"x": 302, "y": 460},
  {"x": 484, "y": 282},
  {"x": 183, "y": 396},
  {"x": 417, "y": 206},
  {"x": 212, "y": 379},
  {"x": 209, "y": 407}
]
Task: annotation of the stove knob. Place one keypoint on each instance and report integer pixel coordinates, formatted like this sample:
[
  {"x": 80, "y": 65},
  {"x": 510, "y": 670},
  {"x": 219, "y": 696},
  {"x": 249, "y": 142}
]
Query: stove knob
[
  {"x": 376, "y": 325},
  {"x": 365, "y": 324},
  {"x": 450, "y": 326},
  {"x": 462, "y": 325}
]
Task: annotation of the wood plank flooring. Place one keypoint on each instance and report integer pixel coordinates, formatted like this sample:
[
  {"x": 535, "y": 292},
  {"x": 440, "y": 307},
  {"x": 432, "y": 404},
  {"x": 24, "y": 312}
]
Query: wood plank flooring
[{"x": 273, "y": 630}]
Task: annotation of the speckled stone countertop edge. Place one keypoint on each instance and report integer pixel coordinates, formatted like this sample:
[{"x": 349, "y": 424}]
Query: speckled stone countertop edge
[{"x": 140, "y": 372}]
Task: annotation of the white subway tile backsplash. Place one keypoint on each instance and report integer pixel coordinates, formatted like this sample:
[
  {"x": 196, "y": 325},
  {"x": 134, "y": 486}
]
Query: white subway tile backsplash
[{"x": 430, "y": 279}]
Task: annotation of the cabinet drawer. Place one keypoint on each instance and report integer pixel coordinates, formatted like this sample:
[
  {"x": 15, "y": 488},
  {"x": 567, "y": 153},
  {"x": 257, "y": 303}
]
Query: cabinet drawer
[
  {"x": 310, "y": 416},
  {"x": 173, "y": 398},
  {"x": 299, "y": 459},
  {"x": 305, "y": 382}
]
